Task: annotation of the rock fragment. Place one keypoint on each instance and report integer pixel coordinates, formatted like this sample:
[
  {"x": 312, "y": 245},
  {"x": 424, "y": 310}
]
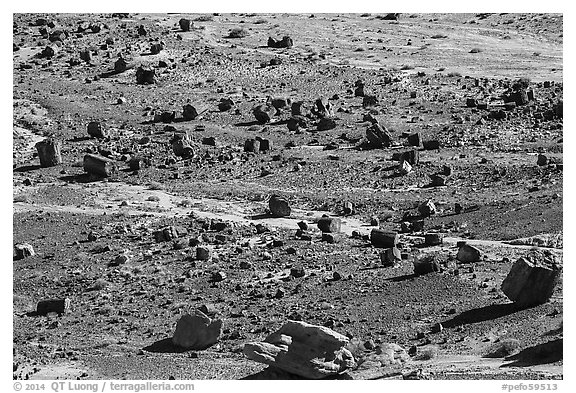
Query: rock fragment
[
  {"x": 49, "y": 152},
  {"x": 390, "y": 257},
  {"x": 99, "y": 165},
  {"x": 264, "y": 113},
  {"x": 96, "y": 130},
  {"x": 145, "y": 76},
  {"x": 329, "y": 224},
  {"x": 383, "y": 239}
]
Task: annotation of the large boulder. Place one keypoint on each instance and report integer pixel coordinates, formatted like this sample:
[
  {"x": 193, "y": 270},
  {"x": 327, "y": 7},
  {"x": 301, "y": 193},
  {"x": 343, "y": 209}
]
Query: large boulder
[
  {"x": 532, "y": 278},
  {"x": 468, "y": 254},
  {"x": 197, "y": 331},
  {"x": 279, "y": 206},
  {"x": 310, "y": 351}
]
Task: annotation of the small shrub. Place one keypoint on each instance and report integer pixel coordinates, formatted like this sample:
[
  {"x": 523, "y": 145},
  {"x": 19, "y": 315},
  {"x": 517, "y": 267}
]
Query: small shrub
[
  {"x": 260, "y": 21},
  {"x": 238, "y": 32},
  {"x": 454, "y": 74}
]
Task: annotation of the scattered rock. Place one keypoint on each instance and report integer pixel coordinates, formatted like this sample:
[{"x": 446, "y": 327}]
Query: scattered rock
[
  {"x": 426, "y": 264},
  {"x": 145, "y": 76},
  {"x": 96, "y": 130},
  {"x": 433, "y": 239},
  {"x": 189, "y": 112},
  {"x": 390, "y": 257},
  {"x": 329, "y": 224},
  {"x": 264, "y": 113},
  {"x": 427, "y": 209},
  {"x": 383, "y": 239}
]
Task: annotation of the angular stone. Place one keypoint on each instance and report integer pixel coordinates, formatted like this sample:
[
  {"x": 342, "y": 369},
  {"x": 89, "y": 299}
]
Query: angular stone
[
  {"x": 411, "y": 156},
  {"x": 369, "y": 101},
  {"x": 252, "y": 146},
  {"x": 425, "y": 265},
  {"x": 145, "y": 76},
  {"x": 59, "y": 306},
  {"x": 303, "y": 349},
  {"x": 300, "y": 108},
  {"x": 322, "y": 108},
  {"x": 329, "y": 224},
  {"x": 433, "y": 239},
  {"x": 185, "y": 24},
  {"x": 265, "y": 144},
  {"x": 23, "y": 250},
  {"x": 427, "y": 208},
  {"x": 431, "y": 145},
  {"x": 378, "y": 136},
  {"x": 197, "y": 331},
  {"x": 264, "y": 113},
  {"x": 49, "y": 152},
  {"x": 95, "y": 130},
  {"x": 383, "y": 239},
  {"x": 225, "y": 104},
  {"x": 181, "y": 145},
  {"x": 325, "y": 124},
  {"x": 99, "y": 165},
  {"x": 296, "y": 122},
  {"x": 189, "y": 112},
  {"x": 120, "y": 65},
  {"x": 468, "y": 254},
  {"x": 279, "y": 206},
  {"x": 533, "y": 278},
  {"x": 203, "y": 253},
  {"x": 390, "y": 256}
]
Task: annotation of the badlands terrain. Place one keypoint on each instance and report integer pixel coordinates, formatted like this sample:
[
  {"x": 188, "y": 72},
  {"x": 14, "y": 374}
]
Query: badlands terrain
[{"x": 440, "y": 128}]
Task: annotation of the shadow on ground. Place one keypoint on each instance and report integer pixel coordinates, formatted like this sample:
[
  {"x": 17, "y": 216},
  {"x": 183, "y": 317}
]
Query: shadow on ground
[
  {"x": 482, "y": 314},
  {"x": 164, "y": 346},
  {"x": 548, "y": 352}
]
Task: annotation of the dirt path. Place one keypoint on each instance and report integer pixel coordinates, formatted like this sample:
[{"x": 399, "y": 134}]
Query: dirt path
[{"x": 134, "y": 200}]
